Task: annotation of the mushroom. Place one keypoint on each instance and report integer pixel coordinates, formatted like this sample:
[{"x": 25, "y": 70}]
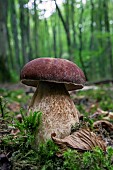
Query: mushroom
[{"x": 53, "y": 78}]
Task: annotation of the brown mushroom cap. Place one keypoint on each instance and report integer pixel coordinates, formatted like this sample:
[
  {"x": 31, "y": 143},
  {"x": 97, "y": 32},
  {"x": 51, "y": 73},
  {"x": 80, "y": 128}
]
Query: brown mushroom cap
[{"x": 53, "y": 70}]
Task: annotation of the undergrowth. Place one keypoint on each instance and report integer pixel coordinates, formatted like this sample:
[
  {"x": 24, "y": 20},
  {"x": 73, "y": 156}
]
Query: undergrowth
[
  {"x": 22, "y": 154},
  {"x": 45, "y": 157},
  {"x": 102, "y": 97}
]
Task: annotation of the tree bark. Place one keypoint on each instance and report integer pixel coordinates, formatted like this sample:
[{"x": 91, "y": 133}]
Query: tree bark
[
  {"x": 73, "y": 23},
  {"x": 60, "y": 39},
  {"x": 36, "y": 30},
  {"x": 15, "y": 35},
  {"x": 4, "y": 74},
  {"x": 91, "y": 26},
  {"x": 48, "y": 37},
  {"x": 28, "y": 36},
  {"x": 67, "y": 31},
  {"x": 102, "y": 70},
  {"x": 92, "y": 39},
  {"x": 54, "y": 41},
  {"x": 23, "y": 28},
  {"x": 53, "y": 23},
  {"x": 80, "y": 40},
  {"x": 107, "y": 29},
  {"x": 10, "y": 50}
]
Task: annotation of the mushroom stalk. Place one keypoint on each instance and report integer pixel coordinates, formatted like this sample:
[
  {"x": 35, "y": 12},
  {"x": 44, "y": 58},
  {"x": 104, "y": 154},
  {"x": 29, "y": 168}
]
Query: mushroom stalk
[{"x": 58, "y": 110}]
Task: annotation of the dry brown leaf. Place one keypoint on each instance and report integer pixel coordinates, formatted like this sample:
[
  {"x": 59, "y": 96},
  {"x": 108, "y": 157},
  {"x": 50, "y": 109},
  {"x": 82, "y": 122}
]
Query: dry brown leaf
[
  {"x": 104, "y": 124},
  {"x": 19, "y": 118},
  {"x": 106, "y": 114},
  {"x": 102, "y": 111},
  {"x": 109, "y": 116},
  {"x": 99, "y": 112},
  {"x": 83, "y": 139},
  {"x": 15, "y": 132}
]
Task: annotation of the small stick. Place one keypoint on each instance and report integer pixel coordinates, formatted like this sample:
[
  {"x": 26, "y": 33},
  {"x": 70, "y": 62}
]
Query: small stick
[{"x": 1, "y": 106}]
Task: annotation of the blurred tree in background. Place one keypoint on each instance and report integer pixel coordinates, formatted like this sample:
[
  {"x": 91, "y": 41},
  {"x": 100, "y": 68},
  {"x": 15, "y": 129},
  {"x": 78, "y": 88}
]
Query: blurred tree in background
[{"x": 78, "y": 30}]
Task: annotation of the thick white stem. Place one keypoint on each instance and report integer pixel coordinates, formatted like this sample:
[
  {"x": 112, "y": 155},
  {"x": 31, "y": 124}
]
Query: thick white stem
[{"x": 58, "y": 110}]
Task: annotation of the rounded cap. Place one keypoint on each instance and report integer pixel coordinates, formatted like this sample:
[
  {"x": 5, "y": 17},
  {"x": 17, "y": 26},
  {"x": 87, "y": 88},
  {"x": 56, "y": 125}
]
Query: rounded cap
[{"x": 53, "y": 70}]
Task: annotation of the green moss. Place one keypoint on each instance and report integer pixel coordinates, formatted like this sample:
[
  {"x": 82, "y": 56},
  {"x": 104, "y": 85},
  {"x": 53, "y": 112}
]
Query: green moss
[{"x": 24, "y": 156}]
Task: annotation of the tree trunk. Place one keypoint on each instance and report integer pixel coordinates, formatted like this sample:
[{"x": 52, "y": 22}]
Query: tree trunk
[
  {"x": 4, "y": 74},
  {"x": 66, "y": 28},
  {"x": 28, "y": 36},
  {"x": 35, "y": 30},
  {"x": 53, "y": 23},
  {"x": 73, "y": 23},
  {"x": 107, "y": 29},
  {"x": 60, "y": 39},
  {"x": 80, "y": 40},
  {"x": 10, "y": 50},
  {"x": 23, "y": 28},
  {"x": 92, "y": 39},
  {"x": 101, "y": 43},
  {"x": 47, "y": 38},
  {"x": 91, "y": 26},
  {"x": 15, "y": 34},
  {"x": 54, "y": 41}
]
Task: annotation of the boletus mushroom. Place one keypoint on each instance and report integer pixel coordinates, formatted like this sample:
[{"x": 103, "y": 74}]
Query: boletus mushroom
[{"x": 53, "y": 78}]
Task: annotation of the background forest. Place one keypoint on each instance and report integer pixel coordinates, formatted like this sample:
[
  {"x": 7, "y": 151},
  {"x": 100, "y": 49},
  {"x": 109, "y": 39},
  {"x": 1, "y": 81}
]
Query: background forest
[{"x": 78, "y": 30}]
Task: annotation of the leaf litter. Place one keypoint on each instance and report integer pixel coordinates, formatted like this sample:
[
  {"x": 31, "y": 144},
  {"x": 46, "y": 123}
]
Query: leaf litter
[{"x": 83, "y": 139}]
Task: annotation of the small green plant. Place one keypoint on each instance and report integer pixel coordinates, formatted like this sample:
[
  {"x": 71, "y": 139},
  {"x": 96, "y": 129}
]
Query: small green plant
[
  {"x": 27, "y": 128},
  {"x": 47, "y": 152},
  {"x": 24, "y": 139},
  {"x": 72, "y": 160},
  {"x": 30, "y": 123},
  {"x": 95, "y": 160},
  {"x": 98, "y": 160},
  {"x": 89, "y": 122}
]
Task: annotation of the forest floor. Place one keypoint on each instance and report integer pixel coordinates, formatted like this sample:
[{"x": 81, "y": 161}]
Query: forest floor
[{"x": 95, "y": 104}]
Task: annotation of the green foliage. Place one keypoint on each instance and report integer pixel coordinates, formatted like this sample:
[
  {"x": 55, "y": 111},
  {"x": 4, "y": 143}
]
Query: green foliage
[
  {"x": 14, "y": 76},
  {"x": 14, "y": 95},
  {"x": 72, "y": 160},
  {"x": 89, "y": 122},
  {"x": 44, "y": 156},
  {"x": 47, "y": 156},
  {"x": 96, "y": 160},
  {"x": 30, "y": 25},
  {"x": 27, "y": 128},
  {"x": 30, "y": 123}
]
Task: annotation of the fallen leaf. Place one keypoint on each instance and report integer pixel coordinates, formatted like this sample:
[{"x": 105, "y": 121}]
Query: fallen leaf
[
  {"x": 99, "y": 112},
  {"x": 109, "y": 116},
  {"x": 104, "y": 124},
  {"x": 83, "y": 139},
  {"x": 19, "y": 118},
  {"x": 15, "y": 131}
]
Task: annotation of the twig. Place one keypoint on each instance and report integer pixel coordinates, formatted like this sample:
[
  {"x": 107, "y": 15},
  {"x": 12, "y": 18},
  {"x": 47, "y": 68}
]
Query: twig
[{"x": 1, "y": 106}]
